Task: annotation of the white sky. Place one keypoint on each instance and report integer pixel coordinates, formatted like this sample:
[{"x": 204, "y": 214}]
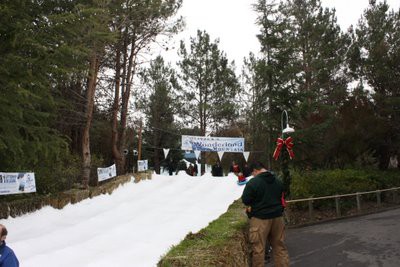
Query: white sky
[
  {"x": 132, "y": 227},
  {"x": 232, "y": 21}
]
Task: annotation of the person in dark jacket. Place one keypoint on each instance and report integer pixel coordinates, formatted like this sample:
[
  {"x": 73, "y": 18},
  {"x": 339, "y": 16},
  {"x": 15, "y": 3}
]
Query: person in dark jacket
[
  {"x": 262, "y": 197},
  {"x": 246, "y": 170},
  {"x": 217, "y": 169},
  {"x": 181, "y": 167},
  {"x": 170, "y": 167},
  {"x": 195, "y": 169},
  {"x": 7, "y": 255},
  {"x": 190, "y": 169}
]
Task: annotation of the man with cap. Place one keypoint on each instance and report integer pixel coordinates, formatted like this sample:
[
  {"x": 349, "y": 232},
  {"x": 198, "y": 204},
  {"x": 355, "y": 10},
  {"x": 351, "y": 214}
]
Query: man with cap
[
  {"x": 7, "y": 256},
  {"x": 262, "y": 197}
]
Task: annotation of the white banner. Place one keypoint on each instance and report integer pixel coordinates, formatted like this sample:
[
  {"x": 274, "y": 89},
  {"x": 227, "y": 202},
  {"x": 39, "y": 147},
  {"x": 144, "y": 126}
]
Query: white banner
[
  {"x": 166, "y": 151},
  {"x": 142, "y": 165},
  {"x": 106, "y": 173},
  {"x": 246, "y": 155},
  {"x": 17, "y": 183},
  {"x": 207, "y": 143}
]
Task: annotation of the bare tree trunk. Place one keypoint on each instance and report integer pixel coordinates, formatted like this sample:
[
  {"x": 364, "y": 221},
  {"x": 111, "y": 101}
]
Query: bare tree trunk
[
  {"x": 90, "y": 92},
  {"x": 156, "y": 158},
  {"x": 125, "y": 98},
  {"x": 120, "y": 88},
  {"x": 114, "y": 135}
]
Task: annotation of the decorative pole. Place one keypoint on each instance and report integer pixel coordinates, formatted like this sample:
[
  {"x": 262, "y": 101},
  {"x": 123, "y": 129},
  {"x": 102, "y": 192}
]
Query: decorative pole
[{"x": 288, "y": 144}]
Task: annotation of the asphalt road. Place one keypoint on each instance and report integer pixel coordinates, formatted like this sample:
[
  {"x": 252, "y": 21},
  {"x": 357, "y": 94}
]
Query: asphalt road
[{"x": 370, "y": 240}]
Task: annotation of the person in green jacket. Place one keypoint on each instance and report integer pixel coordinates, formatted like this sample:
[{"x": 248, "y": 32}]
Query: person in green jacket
[{"x": 263, "y": 199}]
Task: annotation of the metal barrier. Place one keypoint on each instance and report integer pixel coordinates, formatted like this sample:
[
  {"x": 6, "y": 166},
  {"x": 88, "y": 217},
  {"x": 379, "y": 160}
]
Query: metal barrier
[{"x": 337, "y": 198}]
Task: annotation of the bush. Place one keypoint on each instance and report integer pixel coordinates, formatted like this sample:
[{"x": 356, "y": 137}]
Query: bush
[
  {"x": 58, "y": 176},
  {"x": 332, "y": 182}
]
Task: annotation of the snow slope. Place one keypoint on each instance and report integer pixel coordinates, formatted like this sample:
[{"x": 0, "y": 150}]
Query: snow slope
[{"x": 134, "y": 226}]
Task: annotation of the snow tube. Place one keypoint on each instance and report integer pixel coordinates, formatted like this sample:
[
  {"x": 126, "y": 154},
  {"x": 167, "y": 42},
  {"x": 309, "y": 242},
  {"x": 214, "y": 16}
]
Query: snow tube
[{"x": 242, "y": 182}]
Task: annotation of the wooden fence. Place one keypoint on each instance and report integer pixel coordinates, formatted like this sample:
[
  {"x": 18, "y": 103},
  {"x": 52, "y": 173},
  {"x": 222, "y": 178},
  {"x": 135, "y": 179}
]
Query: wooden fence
[{"x": 391, "y": 198}]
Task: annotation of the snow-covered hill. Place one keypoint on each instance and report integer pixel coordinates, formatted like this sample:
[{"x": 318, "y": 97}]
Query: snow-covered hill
[{"x": 132, "y": 227}]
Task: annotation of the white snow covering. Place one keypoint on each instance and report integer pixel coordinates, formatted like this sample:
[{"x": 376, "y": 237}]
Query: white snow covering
[{"x": 134, "y": 226}]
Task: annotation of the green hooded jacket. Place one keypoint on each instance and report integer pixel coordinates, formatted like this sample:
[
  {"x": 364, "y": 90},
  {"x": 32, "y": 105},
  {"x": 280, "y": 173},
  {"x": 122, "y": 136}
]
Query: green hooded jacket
[{"x": 263, "y": 194}]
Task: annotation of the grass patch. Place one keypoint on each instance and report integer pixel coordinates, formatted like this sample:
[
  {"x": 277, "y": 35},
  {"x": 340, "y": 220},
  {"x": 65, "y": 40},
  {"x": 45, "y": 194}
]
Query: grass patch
[{"x": 222, "y": 243}]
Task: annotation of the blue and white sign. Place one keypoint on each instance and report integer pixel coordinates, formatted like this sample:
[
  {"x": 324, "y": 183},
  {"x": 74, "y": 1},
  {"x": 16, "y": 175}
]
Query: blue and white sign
[
  {"x": 106, "y": 173},
  {"x": 207, "y": 143},
  {"x": 143, "y": 165},
  {"x": 17, "y": 183}
]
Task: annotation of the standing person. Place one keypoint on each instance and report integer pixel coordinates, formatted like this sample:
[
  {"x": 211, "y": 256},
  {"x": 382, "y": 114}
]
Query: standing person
[
  {"x": 234, "y": 168},
  {"x": 7, "y": 255},
  {"x": 262, "y": 196},
  {"x": 246, "y": 170},
  {"x": 213, "y": 170},
  {"x": 170, "y": 167},
  {"x": 195, "y": 169},
  {"x": 217, "y": 169},
  {"x": 189, "y": 170}
]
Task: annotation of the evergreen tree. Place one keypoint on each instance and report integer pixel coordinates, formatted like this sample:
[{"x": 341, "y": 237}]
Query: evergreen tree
[
  {"x": 209, "y": 84},
  {"x": 374, "y": 59},
  {"x": 269, "y": 77},
  {"x": 27, "y": 105},
  {"x": 137, "y": 24},
  {"x": 320, "y": 81},
  {"x": 159, "y": 108}
]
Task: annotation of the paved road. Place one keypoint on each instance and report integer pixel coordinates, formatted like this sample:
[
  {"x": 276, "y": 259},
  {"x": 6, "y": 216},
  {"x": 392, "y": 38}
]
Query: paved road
[{"x": 371, "y": 240}]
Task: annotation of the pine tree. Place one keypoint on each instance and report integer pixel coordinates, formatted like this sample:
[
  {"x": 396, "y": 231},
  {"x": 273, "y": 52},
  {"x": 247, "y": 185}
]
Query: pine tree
[
  {"x": 137, "y": 24},
  {"x": 375, "y": 60},
  {"x": 320, "y": 81},
  {"x": 159, "y": 107},
  {"x": 270, "y": 77},
  {"x": 208, "y": 84},
  {"x": 27, "y": 105}
]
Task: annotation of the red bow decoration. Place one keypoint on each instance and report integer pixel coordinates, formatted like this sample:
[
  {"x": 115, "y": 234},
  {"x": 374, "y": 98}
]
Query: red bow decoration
[
  {"x": 280, "y": 143},
  {"x": 283, "y": 200}
]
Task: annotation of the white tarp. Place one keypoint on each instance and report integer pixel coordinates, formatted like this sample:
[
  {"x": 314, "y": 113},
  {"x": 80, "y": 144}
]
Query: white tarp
[
  {"x": 17, "y": 183},
  {"x": 106, "y": 173},
  {"x": 142, "y": 165},
  {"x": 207, "y": 143}
]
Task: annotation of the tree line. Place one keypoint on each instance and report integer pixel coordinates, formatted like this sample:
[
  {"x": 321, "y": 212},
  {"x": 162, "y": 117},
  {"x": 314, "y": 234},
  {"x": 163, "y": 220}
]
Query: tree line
[{"x": 73, "y": 77}]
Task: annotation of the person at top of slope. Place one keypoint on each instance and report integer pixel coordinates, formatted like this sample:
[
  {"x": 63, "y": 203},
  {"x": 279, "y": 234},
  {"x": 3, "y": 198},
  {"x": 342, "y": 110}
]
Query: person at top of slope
[{"x": 234, "y": 168}]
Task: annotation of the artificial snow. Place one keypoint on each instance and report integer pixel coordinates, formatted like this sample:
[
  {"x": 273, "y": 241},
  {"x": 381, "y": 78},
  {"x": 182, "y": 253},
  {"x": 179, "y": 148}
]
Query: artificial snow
[{"x": 134, "y": 226}]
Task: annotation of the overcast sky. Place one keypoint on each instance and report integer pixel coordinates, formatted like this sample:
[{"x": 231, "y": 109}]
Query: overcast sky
[{"x": 232, "y": 21}]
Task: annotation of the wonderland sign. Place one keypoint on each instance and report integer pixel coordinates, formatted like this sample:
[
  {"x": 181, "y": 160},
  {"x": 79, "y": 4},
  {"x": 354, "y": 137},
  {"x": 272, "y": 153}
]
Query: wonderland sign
[{"x": 207, "y": 143}]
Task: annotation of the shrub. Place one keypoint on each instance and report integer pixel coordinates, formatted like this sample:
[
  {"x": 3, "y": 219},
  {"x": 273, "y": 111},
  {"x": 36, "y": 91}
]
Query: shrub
[{"x": 332, "y": 182}]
